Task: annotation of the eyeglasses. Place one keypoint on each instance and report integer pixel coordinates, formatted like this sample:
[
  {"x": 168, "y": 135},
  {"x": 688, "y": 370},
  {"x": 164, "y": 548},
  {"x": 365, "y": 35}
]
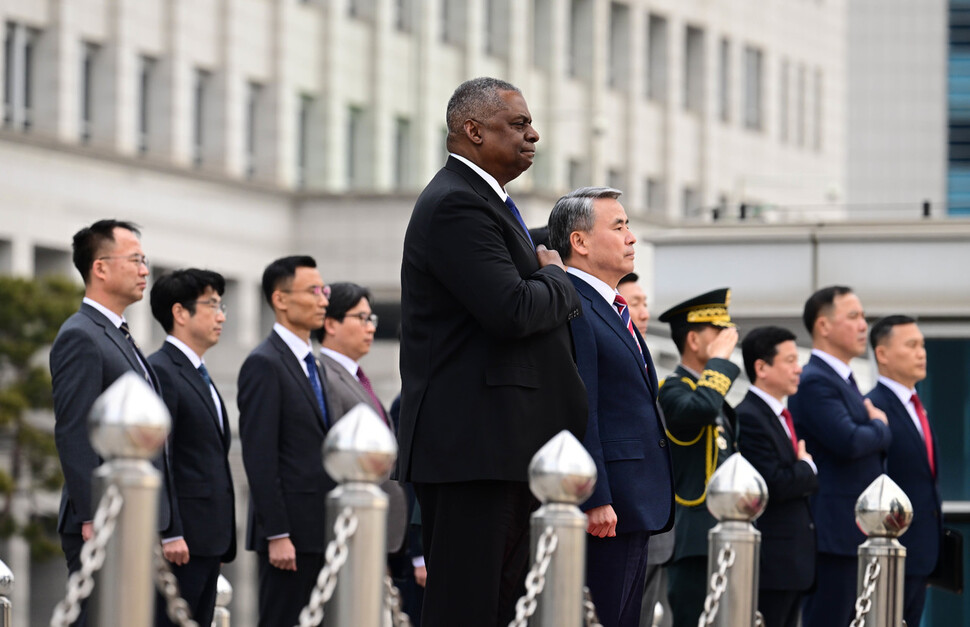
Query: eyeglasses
[
  {"x": 363, "y": 317},
  {"x": 138, "y": 260},
  {"x": 213, "y": 304},
  {"x": 316, "y": 290}
]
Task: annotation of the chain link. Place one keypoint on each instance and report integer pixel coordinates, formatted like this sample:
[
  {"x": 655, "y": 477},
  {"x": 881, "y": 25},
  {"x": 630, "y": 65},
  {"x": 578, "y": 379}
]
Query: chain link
[
  {"x": 343, "y": 528},
  {"x": 175, "y": 606},
  {"x": 81, "y": 582},
  {"x": 864, "y": 603},
  {"x": 535, "y": 581},
  {"x": 590, "y": 619},
  {"x": 759, "y": 620},
  {"x": 725, "y": 560},
  {"x": 392, "y": 601}
]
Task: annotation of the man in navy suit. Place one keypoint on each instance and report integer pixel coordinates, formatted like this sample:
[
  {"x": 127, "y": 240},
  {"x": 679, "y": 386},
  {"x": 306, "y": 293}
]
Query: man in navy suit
[
  {"x": 283, "y": 420},
  {"x": 188, "y": 304},
  {"x": 624, "y": 434},
  {"x": 769, "y": 441},
  {"x": 848, "y": 438},
  {"x": 912, "y": 463},
  {"x": 92, "y": 349}
]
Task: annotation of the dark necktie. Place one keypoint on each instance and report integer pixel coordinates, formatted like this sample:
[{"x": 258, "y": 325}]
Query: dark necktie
[
  {"x": 518, "y": 216},
  {"x": 208, "y": 383},
  {"x": 314, "y": 376},
  {"x": 852, "y": 382},
  {"x": 620, "y": 303},
  {"x": 365, "y": 382},
  {"x": 134, "y": 346},
  {"x": 791, "y": 428},
  {"x": 927, "y": 434}
]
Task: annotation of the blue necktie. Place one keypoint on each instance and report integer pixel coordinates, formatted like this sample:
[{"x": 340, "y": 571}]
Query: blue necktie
[
  {"x": 518, "y": 216},
  {"x": 311, "y": 367},
  {"x": 208, "y": 384}
]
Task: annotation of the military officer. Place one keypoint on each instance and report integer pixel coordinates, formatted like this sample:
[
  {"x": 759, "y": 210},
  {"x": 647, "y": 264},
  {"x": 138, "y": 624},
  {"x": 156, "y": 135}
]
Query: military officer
[{"x": 702, "y": 429}]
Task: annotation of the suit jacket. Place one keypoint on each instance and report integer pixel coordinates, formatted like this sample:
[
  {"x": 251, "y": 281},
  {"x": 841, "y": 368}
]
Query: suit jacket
[
  {"x": 281, "y": 430},
  {"x": 703, "y": 430},
  {"x": 344, "y": 393},
  {"x": 908, "y": 465},
  {"x": 88, "y": 355},
  {"x": 624, "y": 435},
  {"x": 486, "y": 360},
  {"x": 849, "y": 450},
  {"x": 787, "y": 528},
  {"x": 199, "y": 456}
]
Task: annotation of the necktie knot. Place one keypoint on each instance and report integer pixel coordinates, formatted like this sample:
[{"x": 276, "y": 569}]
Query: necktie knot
[{"x": 205, "y": 374}]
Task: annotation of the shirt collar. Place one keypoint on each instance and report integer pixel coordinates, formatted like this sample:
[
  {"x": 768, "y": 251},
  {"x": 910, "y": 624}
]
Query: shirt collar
[
  {"x": 694, "y": 373},
  {"x": 904, "y": 393},
  {"x": 840, "y": 367},
  {"x": 775, "y": 405},
  {"x": 110, "y": 315},
  {"x": 488, "y": 178},
  {"x": 188, "y": 352},
  {"x": 349, "y": 364},
  {"x": 300, "y": 347},
  {"x": 604, "y": 290}
]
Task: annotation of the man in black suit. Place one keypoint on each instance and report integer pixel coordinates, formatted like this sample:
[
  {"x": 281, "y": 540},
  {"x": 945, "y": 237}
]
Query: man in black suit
[
  {"x": 847, "y": 436},
  {"x": 634, "y": 493},
  {"x": 283, "y": 419},
  {"x": 769, "y": 441},
  {"x": 486, "y": 360},
  {"x": 92, "y": 349},
  {"x": 188, "y": 304},
  {"x": 912, "y": 462}
]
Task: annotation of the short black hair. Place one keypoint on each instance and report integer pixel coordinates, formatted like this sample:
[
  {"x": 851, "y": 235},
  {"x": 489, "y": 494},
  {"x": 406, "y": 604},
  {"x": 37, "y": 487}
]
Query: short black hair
[
  {"x": 820, "y": 303},
  {"x": 183, "y": 287},
  {"x": 281, "y": 272},
  {"x": 343, "y": 297},
  {"x": 678, "y": 333},
  {"x": 90, "y": 241},
  {"x": 629, "y": 278},
  {"x": 882, "y": 329},
  {"x": 762, "y": 343}
]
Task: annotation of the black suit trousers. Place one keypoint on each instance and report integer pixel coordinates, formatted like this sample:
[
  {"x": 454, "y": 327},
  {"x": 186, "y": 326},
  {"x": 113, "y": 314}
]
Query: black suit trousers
[
  {"x": 476, "y": 547},
  {"x": 283, "y": 593},
  {"x": 72, "y": 543},
  {"x": 197, "y": 584}
]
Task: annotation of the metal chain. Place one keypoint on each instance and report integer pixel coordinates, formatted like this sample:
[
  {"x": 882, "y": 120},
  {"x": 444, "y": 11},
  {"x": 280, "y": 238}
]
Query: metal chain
[
  {"x": 590, "y": 619},
  {"x": 535, "y": 581},
  {"x": 81, "y": 582},
  {"x": 175, "y": 606},
  {"x": 864, "y": 603},
  {"x": 392, "y": 601},
  {"x": 725, "y": 560},
  {"x": 759, "y": 620},
  {"x": 343, "y": 528}
]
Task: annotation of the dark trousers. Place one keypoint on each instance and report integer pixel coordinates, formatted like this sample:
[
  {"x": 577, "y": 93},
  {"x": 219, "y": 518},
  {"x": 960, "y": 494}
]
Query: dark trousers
[
  {"x": 616, "y": 570},
  {"x": 654, "y": 591},
  {"x": 780, "y": 608},
  {"x": 197, "y": 585},
  {"x": 476, "y": 546},
  {"x": 687, "y": 589},
  {"x": 914, "y": 598},
  {"x": 284, "y": 593},
  {"x": 71, "y": 543},
  {"x": 833, "y": 601}
]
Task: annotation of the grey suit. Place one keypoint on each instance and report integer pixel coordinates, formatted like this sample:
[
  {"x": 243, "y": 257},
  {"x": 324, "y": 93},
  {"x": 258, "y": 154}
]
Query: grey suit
[{"x": 344, "y": 393}]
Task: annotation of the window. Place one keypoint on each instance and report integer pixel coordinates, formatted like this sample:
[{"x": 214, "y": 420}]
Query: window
[
  {"x": 657, "y": 58},
  {"x": 541, "y": 33},
  {"x": 817, "y": 138},
  {"x": 355, "y": 142},
  {"x": 303, "y": 139},
  {"x": 577, "y": 174},
  {"x": 783, "y": 104},
  {"x": 199, "y": 95},
  {"x": 618, "y": 66},
  {"x": 18, "y": 85},
  {"x": 752, "y": 88},
  {"x": 691, "y": 202},
  {"x": 254, "y": 93},
  {"x": 724, "y": 75},
  {"x": 360, "y": 9},
  {"x": 656, "y": 196},
  {"x": 403, "y": 16},
  {"x": 145, "y": 74},
  {"x": 402, "y": 153},
  {"x": 614, "y": 179},
  {"x": 89, "y": 54},
  {"x": 453, "y": 21},
  {"x": 800, "y": 106},
  {"x": 496, "y": 27},
  {"x": 694, "y": 70},
  {"x": 579, "y": 60}
]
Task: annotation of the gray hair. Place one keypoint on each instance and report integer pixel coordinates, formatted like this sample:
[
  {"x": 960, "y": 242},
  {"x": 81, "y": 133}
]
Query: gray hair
[
  {"x": 477, "y": 99},
  {"x": 574, "y": 212}
]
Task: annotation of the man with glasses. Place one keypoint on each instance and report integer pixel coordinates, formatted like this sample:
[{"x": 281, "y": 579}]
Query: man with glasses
[
  {"x": 188, "y": 304},
  {"x": 92, "y": 349},
  {"x": 283, "y": 419}
]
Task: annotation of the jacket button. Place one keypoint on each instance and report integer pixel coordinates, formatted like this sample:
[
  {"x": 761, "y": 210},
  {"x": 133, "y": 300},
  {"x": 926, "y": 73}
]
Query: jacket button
[{"x": 663, "y": 442}]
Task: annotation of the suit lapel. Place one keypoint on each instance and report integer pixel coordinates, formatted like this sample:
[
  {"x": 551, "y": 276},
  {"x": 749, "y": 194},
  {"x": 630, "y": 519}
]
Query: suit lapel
[
  {"x": 118, "y": 338},
  {"x": 195, "y": 381},
  {"x": 895, "y": 406},
  {"x": 778, "y": 433},
  {"x": 296, "y": 371},
  {"x": 485, "y": 191}
]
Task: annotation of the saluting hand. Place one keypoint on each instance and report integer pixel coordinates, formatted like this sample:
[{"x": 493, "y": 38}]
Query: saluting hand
[{"x": 723, "y": 344}]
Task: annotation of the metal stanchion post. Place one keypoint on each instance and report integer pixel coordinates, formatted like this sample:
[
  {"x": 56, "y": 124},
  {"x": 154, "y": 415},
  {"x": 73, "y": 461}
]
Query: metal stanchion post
[
  {"x": 223, "y": 597},
  {"x": 128, "y": 425},
  {"x": 883, "y": 512},
  {"x": 6, "y": 587},
  {"x": 561, "y": 475},
  {"x": 359, "y": 453},
  {"x": 736, "y": 495}
]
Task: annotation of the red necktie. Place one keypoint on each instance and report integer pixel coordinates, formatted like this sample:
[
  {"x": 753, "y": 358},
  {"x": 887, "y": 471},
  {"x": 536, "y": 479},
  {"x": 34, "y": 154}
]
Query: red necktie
[
  {"x": 791, "y": 427},
  {"x": 621, "y": 307},
  {"x": 927, "y": 434},
  {"x": 364, "y": 381}
]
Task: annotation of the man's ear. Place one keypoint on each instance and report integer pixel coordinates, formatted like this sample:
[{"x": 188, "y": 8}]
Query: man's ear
[
  {"x": 473, "y": 131},
  {"x": 577, "y": 242},
  {"x": 330, "y": 325},
  {"x": 692, "y": 341},
  {"x": 880, "y": 353},
  {"x": 180, "y": 314}
]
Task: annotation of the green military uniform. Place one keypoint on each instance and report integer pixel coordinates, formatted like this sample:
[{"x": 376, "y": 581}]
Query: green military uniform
[{"x": 703, "y": 431}]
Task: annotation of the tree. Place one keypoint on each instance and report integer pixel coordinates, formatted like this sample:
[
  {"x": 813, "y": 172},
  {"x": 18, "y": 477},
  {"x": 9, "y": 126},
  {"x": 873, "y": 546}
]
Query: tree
[{"x": 31, "y": 312}]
